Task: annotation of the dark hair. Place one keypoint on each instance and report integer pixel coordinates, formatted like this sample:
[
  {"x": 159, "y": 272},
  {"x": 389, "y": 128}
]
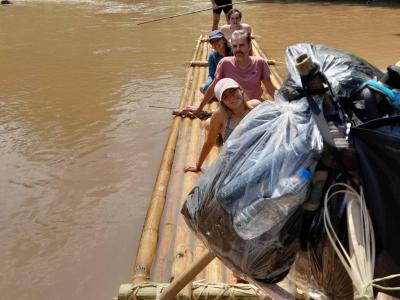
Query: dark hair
[
  {"x": 392, "y": 77},
  {"x": 232, "y": 11},
  {"x": 228, "y": 49},
  {"x": 242, "y": 33}
]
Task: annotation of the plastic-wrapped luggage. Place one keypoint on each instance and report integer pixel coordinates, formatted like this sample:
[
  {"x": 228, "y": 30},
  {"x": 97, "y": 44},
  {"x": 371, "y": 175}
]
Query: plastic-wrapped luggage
[
  {"x": 246, "y": 207},
  {"x": 344, "y": 71}
]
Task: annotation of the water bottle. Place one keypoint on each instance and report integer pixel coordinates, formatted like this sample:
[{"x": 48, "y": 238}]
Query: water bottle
[
  {"x": 293, "y": 184},
  {"x": 265, "y": 214}
]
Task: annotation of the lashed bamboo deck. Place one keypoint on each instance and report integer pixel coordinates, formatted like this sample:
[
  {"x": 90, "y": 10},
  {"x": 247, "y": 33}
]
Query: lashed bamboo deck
[{"x": 167, "y": 247}]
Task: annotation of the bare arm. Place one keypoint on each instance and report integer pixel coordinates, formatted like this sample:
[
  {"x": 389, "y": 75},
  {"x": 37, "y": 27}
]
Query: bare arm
[
  {"x": 253, "y": 103},
  {"x": 207, "y": 97},
  {"x": 215, "y": 128},
  {"x": 225, "y": 29},
  {"x": 271, "y": 88},
  {"x": 246, "y": 27}
]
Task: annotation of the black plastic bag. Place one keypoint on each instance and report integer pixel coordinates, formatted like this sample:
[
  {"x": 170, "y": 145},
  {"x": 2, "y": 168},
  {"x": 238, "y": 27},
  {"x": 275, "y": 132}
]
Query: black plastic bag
[{"x": 377, "y": 145}]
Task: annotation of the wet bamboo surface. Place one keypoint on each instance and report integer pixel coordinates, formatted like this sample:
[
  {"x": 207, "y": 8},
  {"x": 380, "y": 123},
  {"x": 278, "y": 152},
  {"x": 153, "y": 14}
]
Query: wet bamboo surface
[{"x": 167, "y": 247}]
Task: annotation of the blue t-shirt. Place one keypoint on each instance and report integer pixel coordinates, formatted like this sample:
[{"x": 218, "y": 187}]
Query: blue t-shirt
[{"x": 213, "y": 59}]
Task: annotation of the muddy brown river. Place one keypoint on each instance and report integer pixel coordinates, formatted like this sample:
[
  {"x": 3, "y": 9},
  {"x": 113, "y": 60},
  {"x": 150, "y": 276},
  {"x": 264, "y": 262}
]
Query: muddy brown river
[{"x": 80, "y": 144}]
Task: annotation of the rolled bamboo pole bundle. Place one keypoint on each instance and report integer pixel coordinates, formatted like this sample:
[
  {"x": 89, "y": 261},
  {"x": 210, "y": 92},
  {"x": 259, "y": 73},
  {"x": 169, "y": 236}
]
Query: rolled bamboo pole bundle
[
  {"x": 162, "y": 268},
  {"x": 149, "y": 237}
]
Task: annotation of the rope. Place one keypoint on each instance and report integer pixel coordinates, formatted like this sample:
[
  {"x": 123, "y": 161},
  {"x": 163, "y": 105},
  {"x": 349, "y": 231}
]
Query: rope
[
  {"x": 203, "y": 290},
  {"x": 360, "y": 267}
]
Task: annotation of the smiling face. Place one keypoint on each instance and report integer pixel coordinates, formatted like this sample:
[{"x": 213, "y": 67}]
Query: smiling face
[{"x": 218, "y": 45}]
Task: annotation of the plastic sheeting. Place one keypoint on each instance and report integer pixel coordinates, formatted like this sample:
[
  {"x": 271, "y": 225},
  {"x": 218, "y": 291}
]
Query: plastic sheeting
[
  {"x": 246, "y": 207},
  {"x": 345, "y": 72},
  {"x": 377, "y": 144}
]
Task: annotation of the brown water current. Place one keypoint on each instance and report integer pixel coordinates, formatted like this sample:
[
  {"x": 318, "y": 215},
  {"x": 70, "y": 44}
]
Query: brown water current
[{"x": 80, "y": 144}]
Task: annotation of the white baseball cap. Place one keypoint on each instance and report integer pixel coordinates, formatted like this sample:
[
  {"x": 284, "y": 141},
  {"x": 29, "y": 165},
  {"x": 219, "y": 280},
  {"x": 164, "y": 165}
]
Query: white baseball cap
[{"x": 222, "y": 85}]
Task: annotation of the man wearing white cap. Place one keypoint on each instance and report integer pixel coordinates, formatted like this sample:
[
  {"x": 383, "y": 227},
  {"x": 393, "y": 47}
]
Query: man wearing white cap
[
  {"x": 248, "y": 71},
  {"x": 232, "y": 109}
]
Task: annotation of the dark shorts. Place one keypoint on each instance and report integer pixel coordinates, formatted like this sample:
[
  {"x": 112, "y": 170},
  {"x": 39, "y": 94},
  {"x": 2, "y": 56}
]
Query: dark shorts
[{"x": 225, "y": 9}]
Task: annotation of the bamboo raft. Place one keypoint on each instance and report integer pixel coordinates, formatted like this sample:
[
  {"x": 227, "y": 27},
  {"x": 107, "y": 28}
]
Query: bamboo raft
[{"x": 167, "y": 247}]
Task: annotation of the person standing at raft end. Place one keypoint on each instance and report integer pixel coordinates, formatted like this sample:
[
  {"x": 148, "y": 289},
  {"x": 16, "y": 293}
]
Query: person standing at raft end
[
  {"x": 232, "y": 109},
  {"x": 217, "y": 11},
  {"x": 221, "y": 48},
  {"x": 234, "y": 23},
  {"x": 248, "y": 71}
]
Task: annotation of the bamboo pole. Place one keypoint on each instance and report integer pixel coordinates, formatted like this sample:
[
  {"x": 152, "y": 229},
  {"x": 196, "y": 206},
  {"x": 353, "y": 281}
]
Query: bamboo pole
[
  {"x": 214, "y": 271},
  {"x": 275, "y": 78},
  {"x": 186, "y": 277},
  {"x": 272, "y": 290},
  {"x": 182, "y": 241},
  {"x": 162, "y": 268},
  {"x": 169, "y": 228},
  {"x": 199, "y": 248},
  {"x": 204, "y": 63},
  {"x": 149, "y": 237}
]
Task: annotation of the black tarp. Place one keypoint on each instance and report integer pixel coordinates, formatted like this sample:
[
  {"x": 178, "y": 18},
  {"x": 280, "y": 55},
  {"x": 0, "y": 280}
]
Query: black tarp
[{"x": 377, "y": 145}]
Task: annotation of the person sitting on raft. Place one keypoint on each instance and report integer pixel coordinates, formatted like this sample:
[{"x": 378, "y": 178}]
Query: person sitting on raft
[
  {"x": 380, "y": 98},
  {"x": 232, "y": 109},
  {"x": 221, "y": 49},
  {"x": 248, "y": 71},
  {"x": 235, "y": 17}
]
